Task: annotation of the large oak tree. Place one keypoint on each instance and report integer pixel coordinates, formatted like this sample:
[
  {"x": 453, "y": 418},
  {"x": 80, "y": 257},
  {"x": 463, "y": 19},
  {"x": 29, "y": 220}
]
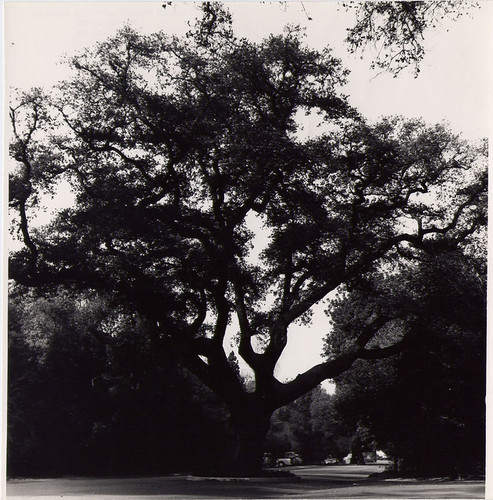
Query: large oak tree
[{"x": 176, "y": 148}]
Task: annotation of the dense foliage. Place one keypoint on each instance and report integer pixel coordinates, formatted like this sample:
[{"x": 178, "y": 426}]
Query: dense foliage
[
  {"x": 82, "y": 404},
  {"x": 426, "y": 405}
]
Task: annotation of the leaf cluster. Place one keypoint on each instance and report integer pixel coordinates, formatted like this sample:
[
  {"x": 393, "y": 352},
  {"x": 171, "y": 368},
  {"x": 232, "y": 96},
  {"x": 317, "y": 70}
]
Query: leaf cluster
[{"x": 397, "y": 30}]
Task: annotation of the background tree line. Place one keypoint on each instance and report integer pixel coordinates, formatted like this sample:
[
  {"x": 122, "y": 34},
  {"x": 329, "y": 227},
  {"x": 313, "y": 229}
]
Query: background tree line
[{"x": 83, "y": 404}]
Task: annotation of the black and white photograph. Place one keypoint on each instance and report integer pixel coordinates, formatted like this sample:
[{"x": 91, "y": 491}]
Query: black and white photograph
[{"x": 245, "y": 249}]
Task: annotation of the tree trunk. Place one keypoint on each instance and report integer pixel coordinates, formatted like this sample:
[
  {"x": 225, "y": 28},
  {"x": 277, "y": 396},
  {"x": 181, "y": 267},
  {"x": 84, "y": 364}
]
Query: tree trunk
[
  {"x": 357, "y": 452},
  {"x": 251, "y": 427}
]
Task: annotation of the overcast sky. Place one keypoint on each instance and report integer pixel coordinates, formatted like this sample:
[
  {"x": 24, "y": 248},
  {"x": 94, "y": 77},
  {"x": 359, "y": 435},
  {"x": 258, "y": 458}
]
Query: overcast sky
[{"x": 453, "y": 84}]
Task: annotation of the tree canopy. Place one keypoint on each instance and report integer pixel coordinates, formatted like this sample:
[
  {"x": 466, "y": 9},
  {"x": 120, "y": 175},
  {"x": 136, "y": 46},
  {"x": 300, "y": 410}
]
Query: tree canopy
[{"x": 175, "y": 149}]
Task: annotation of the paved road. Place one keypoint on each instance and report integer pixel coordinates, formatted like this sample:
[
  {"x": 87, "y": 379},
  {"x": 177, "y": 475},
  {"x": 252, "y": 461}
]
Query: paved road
[{"x": 349, "y": 481}]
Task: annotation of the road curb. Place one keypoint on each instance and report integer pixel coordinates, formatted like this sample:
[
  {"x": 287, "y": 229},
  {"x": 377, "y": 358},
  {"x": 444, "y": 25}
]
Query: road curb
[{"x": 243, "y": 479}]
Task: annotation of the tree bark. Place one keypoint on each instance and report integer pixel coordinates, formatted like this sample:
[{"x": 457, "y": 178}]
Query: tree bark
[{"x": 251, "y": 424}]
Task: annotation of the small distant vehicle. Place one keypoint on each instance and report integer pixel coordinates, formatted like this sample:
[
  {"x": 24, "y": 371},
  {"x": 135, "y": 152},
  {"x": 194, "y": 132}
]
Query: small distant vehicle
[
  {"x": 330, "y": 461},
  {"x": 289, "y": 458}
]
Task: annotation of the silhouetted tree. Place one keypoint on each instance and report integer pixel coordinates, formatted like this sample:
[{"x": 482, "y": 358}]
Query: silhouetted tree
[{"x": 176, "y": 148}]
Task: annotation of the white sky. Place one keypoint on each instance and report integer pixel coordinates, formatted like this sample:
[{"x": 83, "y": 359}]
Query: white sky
[{"x": 453, "y": 84}]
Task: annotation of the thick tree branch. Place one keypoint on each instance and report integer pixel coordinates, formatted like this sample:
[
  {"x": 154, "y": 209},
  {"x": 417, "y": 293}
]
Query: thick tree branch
[
  {"x": 201, "y": 304},
  {"x": 311, "y": 378},
  {"x": 245, "y": 348},
  {"x": 332, "y": 368},
  {"x": 222, "y": 316}
]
